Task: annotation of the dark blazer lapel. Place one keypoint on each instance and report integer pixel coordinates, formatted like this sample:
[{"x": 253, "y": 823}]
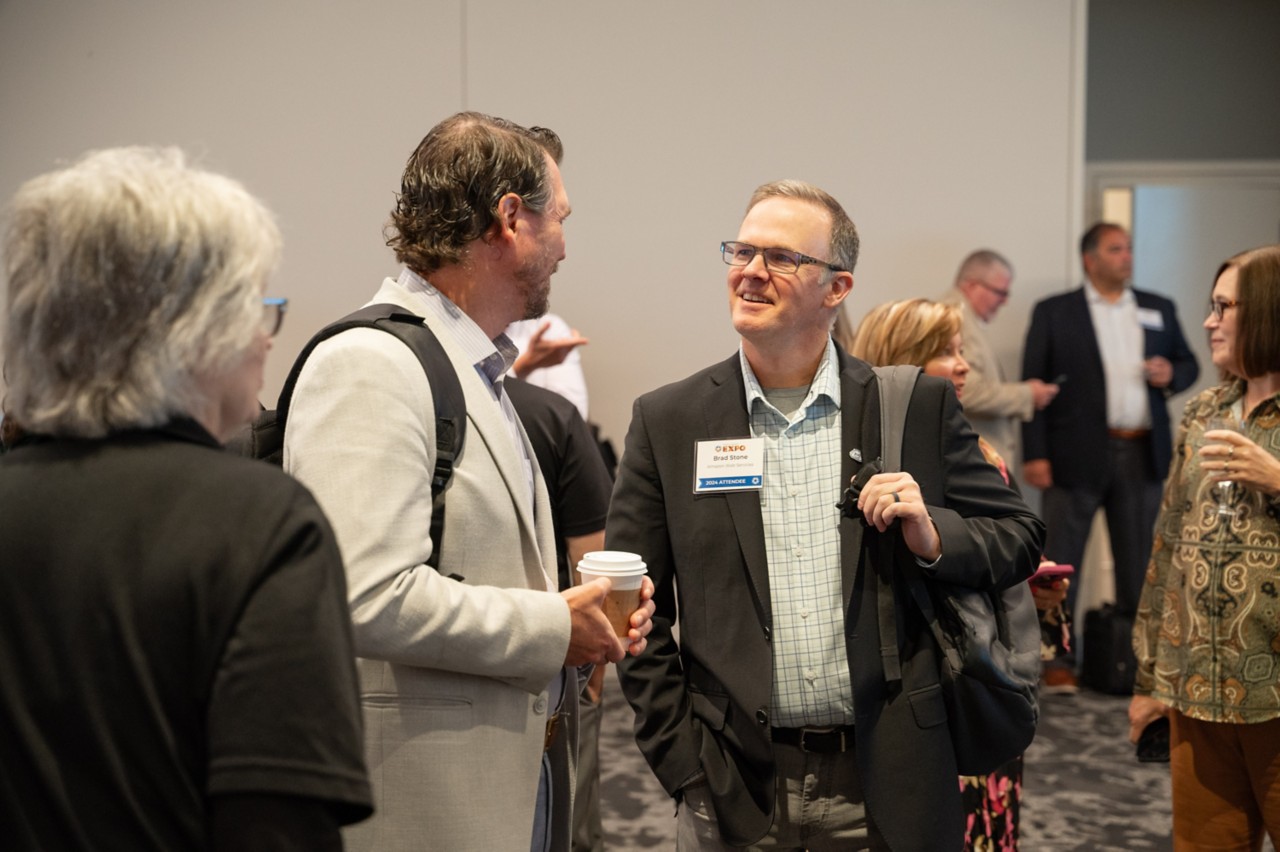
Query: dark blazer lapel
[
  {"x": 725, "y": 411},
  {"x": 1152, "y": 338},
  {"x": 855, "y": 381},
  {"x": 1089, "y": 336}
]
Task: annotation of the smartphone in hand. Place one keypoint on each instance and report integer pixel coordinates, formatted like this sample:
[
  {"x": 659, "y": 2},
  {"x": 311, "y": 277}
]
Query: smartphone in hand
[{"x": 1050, "y": 571}]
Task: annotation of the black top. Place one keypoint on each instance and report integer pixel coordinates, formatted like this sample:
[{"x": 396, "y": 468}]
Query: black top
[
  {"x": 173, "y": 629},
  {"x": 578, "y": 482}
]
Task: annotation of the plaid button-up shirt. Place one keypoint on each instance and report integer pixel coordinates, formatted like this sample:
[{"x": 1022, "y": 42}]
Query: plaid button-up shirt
[{"x": 811, "y": 683}]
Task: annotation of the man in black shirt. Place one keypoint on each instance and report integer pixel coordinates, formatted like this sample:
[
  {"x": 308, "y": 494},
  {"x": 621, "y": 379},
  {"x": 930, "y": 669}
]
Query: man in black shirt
[{"x": 578, "y": 485}]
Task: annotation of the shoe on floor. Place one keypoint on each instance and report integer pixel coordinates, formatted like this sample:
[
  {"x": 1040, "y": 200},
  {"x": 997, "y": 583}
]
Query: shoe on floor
[{"x": 1060, "y": 681}]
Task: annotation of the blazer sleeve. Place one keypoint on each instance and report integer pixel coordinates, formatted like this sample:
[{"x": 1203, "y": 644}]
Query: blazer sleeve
[
  {"x": 360, "y": 435},
  {"x": 1186, "y": 369},
  {"x": 990, "y": 538},
  {"x": 666, "y": 731},
  {"x": 984, "y": 394}
]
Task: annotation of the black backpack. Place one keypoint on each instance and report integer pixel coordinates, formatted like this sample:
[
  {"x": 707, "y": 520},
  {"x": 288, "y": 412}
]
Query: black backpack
[
  {"x": 989, "y": 641},
  {"x": 264, "y": 437}
]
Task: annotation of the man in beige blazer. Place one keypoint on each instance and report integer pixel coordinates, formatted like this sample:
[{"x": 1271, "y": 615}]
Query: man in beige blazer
[
  {"x": 468, "y": 672},
  {"x": 995, "y": 407}
]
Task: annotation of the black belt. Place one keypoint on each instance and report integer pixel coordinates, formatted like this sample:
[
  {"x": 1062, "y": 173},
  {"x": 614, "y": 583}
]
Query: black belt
[{"x": 821, "y": 740}]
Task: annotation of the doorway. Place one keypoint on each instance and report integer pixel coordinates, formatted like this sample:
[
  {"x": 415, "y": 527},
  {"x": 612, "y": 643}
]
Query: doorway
[{"x": 1185, "y": 218}]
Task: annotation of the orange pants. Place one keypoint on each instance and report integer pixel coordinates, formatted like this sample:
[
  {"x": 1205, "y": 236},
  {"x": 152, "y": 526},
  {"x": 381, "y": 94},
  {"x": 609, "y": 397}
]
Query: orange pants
[{"x": 1226, "y": 784}]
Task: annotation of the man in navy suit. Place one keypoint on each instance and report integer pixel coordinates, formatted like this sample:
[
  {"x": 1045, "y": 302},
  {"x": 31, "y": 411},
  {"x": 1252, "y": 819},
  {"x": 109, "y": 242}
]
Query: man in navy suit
[
  {"x": 773, "y": 718},
  {"x": 1119, "y": 354}
]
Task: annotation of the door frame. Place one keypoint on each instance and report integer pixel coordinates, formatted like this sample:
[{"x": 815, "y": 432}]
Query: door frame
[{"x": 1125, "y": 174}]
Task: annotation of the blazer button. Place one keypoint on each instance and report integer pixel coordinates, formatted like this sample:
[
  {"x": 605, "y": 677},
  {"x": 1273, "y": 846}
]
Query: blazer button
[
  {"x": 768, "y": 634},
  {"x": 762, "y": 716},
  {"x": 540, "y": 704}
]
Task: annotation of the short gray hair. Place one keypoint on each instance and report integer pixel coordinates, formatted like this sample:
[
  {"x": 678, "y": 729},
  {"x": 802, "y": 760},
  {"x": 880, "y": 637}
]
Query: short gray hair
[
  {"x": 134, "y": 280},
  {"x": 979, "y": 262},
  {"x": 844, "y": 242}
]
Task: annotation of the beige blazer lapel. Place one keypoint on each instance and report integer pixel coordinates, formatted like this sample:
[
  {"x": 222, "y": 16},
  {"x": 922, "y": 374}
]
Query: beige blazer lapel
[{"x": 486, "y": 424}]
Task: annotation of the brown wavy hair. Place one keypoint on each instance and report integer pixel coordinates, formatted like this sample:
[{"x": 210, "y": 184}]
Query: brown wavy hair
[
  {"x": 1257, "y": 342},
  {"x": 453, "y": 181}
]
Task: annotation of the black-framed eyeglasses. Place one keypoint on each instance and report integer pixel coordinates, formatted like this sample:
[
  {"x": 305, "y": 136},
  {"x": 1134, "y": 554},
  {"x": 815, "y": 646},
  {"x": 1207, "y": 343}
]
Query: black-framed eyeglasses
[
  {"x": 991, "y": 288},
  {"x": 1218, "y": 306},
  {"x": 777, "y": 259},
  {"x": 273, "y": 308}
]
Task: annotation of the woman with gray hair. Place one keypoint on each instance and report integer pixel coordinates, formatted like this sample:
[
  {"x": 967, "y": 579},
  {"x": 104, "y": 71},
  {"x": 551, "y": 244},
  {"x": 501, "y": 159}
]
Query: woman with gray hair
[{"x": 174, "y": 637}]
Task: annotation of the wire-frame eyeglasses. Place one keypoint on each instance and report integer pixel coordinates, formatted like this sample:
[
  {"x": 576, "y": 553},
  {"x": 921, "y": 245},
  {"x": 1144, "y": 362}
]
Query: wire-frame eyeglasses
[{"x": 777, "y": 259}]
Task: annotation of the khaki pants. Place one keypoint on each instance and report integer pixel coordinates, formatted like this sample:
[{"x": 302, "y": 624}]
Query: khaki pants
[{"x": 820, "y": 808}]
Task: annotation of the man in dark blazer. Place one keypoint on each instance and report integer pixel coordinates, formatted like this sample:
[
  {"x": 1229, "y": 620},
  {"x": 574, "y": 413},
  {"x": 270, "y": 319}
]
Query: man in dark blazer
[
  {"x": 1105, "y": 440},
  {"x": 728, "y": 488}
]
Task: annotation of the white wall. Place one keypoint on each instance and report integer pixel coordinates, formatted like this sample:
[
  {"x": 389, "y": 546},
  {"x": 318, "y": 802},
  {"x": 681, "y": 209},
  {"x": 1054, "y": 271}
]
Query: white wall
[{"x": 941, "y": 126}]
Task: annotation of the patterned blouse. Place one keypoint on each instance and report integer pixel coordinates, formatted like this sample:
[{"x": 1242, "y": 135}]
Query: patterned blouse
[{"x": 1207, "y": 634}]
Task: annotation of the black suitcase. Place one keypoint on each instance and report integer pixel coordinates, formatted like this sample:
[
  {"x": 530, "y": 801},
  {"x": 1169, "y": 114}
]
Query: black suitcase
[{"x": 1109, "y": 664}]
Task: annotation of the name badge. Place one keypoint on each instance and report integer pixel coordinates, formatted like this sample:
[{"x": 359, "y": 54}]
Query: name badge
[
  {"x": 1150, "y": 319},
  {"x": 729, "y": 464}
]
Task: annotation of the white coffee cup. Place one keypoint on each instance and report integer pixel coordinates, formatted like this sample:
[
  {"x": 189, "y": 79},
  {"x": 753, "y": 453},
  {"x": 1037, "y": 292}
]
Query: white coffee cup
[{"x": 626, "y": 572}]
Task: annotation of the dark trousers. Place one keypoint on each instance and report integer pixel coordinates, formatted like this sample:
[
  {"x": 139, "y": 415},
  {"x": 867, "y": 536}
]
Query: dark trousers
[{"x": 1130, "y": 497}]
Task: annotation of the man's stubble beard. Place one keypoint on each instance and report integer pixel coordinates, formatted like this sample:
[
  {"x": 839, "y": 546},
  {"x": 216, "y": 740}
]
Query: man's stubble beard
[{"x": 536, "y": 287}]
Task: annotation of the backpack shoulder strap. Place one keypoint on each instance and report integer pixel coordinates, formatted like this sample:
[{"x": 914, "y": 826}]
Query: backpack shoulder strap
[
  {"x": 450, "y": 409},
  {"x": 446, "y": 393},
  {"x": 366, "y": 317},
  {"x": 896, "y": 384}
]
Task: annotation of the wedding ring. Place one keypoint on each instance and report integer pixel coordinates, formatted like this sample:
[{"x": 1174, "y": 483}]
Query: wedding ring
[{"x": 896, "y": 498}]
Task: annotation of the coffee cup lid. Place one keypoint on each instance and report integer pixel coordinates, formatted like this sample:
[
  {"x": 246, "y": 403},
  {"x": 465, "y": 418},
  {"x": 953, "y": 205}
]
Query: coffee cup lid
[{"x": 612, "y": 562}]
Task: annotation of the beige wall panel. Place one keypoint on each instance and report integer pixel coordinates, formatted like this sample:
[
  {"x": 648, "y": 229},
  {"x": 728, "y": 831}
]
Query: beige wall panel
[{"x": 941, "y": 126}]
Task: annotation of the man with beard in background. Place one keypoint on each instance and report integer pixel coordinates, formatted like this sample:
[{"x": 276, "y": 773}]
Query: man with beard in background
[{"x": 467, "y": 671}]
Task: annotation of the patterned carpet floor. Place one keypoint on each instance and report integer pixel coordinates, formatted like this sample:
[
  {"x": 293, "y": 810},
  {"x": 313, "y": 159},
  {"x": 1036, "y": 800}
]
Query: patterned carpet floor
[{"x": 1083, "y": 787}]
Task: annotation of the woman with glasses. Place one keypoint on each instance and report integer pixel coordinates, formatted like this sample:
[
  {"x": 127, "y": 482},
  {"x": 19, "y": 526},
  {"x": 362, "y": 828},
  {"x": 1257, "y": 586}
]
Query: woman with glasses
[
  {"x": 176, "y": 649},
  {"x": 1207, "y": 634},
  {"x": 927, "y": 334}
]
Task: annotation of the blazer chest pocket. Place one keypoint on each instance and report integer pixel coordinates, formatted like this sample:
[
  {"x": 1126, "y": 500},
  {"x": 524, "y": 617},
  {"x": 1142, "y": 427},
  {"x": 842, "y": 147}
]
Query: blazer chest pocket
[{"x": 927, "y": 706}]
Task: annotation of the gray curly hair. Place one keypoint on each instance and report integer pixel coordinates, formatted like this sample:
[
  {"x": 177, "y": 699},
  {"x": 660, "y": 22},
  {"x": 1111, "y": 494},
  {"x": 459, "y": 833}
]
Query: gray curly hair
[{"x": 133, "y": 279}]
